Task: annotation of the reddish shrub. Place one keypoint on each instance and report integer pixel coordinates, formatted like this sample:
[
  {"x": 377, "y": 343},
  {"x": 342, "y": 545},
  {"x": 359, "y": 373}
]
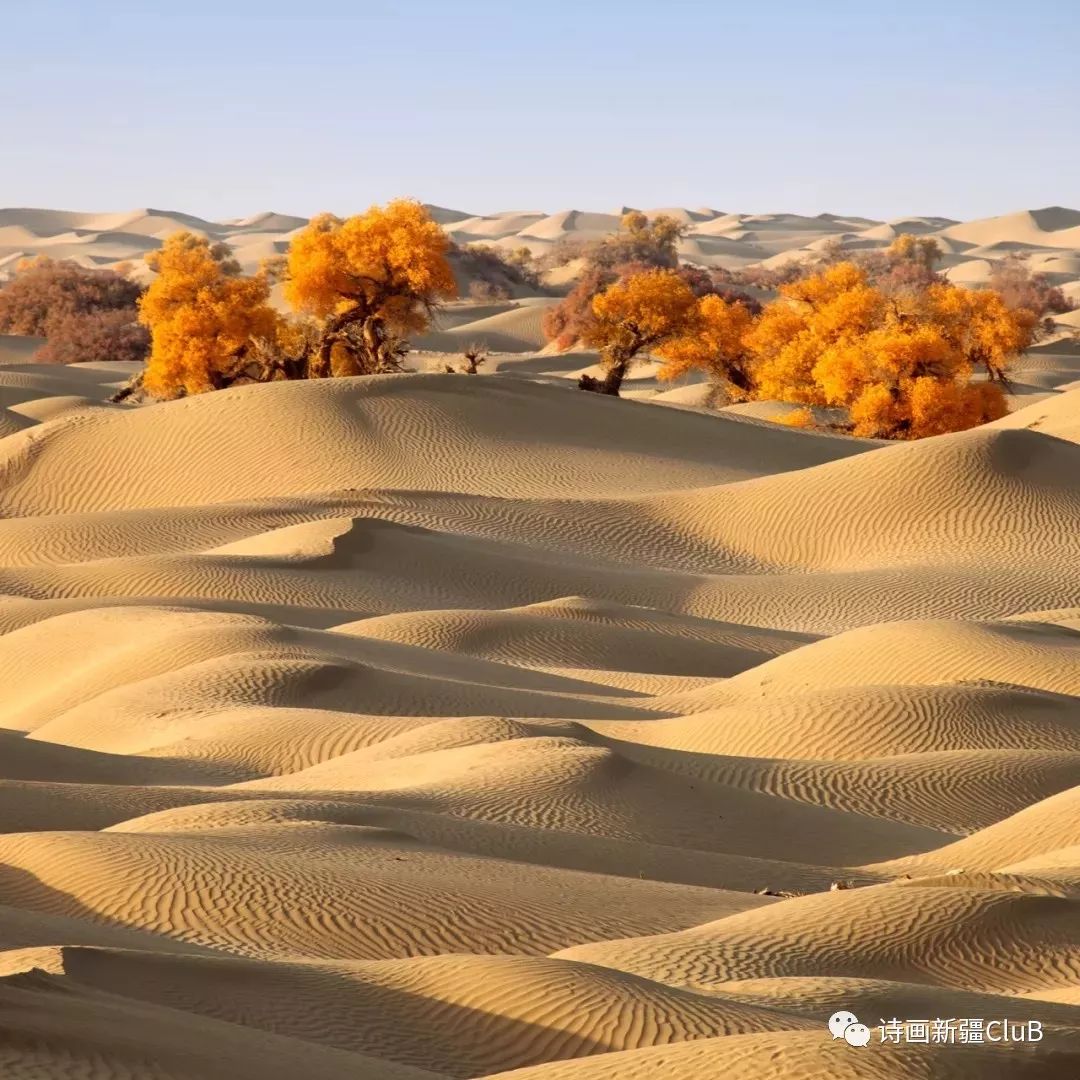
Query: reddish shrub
[
  {"x": 94, "y": 337},
  {"x": 45, "y": 289},
  {"x": 83, "y": 314},
  {"x": 1020, "y": 288}
]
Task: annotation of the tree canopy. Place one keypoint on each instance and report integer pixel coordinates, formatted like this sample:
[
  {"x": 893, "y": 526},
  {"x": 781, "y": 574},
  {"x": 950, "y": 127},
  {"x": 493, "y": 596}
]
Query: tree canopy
[
  {"x": 902, "y": 366},
  {"x": 359, "y": 285},
  {"x": 203, "y": 316},
  {"x": 640, "y": 312},
  {"x": 371, "y": 280},
  {"x": 713, "y": 341}
]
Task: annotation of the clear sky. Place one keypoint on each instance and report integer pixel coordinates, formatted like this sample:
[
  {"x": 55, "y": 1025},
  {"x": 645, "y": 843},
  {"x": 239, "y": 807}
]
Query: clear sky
[{"x": 964, "y": 108}]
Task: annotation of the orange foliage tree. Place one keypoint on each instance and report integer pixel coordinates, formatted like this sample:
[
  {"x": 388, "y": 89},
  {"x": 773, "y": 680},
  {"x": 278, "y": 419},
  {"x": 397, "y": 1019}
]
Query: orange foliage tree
[
  {"x": 205, "y": 318},
  {"x": 714, "y": 341},
  {"x": 901, "y": 365},
  {"x": 640, "y": 244},
  {"x": 370, "y": 280},
  {"x": 924, "y": 250},
  {"x": 640, "y": 312}
]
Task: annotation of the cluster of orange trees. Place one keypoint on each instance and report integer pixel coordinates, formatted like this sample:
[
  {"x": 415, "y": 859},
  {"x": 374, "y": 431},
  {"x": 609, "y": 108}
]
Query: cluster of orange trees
[
  {"x": 358, "y": 287},
  {"x": 920, "y": 359},
  {"x": 902, "y": 365}
]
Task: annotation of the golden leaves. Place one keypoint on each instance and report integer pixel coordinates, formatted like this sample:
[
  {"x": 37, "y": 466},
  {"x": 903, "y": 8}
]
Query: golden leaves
[
  {"x": 640, "y": 312},
  {"x": 713, "y": 341},
  {"x": 201, "y": 314},
  {"x": 391, "y": 261},
  {"x": 902, "y": 366}
]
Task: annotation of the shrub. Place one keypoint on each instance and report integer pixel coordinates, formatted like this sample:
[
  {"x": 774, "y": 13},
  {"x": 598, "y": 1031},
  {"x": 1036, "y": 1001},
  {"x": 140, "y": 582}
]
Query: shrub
[
  {"x": 566, "y": 322},
  {"x": 493, "y": 274},
  {"x": 640, "y": 241},
  {"x": 44, "y": 289},
  {"x": 908, "y": 263},
  {"x": 474, "y": 355},
  {"x": 94, "y": 337},
  {"x": 1020, "y": 288},
  {"x": 84, "y": 314},
  {"x": 486, "y": 292}
]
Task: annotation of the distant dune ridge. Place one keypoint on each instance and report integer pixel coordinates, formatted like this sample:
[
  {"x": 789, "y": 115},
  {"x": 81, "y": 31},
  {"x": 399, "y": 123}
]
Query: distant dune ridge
[
  {"x": 425, "y": 726},
  {"x": 1048, "y": 237}
]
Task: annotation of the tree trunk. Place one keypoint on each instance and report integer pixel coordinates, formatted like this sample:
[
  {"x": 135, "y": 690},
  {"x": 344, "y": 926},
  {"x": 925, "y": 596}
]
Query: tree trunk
[
  {"x": 132, "y": 388},
  {"x": 319, "y": 364},
  {"x": 613, "y": 378},
  {"x": 615, "y": 370}
]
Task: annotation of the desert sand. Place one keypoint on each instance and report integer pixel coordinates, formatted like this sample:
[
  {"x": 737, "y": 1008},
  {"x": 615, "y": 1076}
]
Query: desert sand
[{"x": 427, "y": 726}]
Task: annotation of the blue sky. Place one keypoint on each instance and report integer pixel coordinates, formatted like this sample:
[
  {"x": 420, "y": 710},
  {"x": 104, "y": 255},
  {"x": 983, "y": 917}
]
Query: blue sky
[{"x": 224, "y": 109}]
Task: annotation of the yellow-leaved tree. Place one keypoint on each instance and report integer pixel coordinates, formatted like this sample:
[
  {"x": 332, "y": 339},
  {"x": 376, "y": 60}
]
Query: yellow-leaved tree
[
  {"x": 811, "y": 315},
  {"x": 901, "y": 365},
  {"x": 638, "y": 313},
  {"x": 370, "y": 280},
  {"x": 924, "y": 250},
  {"x": 205, "y": 318},
  {"x": 714, "y": 341}
]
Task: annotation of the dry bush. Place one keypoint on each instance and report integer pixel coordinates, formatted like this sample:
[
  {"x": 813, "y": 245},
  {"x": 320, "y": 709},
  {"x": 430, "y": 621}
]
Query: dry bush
[
  {"x": 486, "y": 292},
  {"x": 770, "y": 277},
  {"x": 493, "y": 274},
  {"x": 565, "y": 250},
  {"x": 475, "y": 355},
  {"x": 94, "y": 337},
  {"x": 84, "y": 314},
  {"x": 652, "y": 244},
  {"x": 716, "y": 281},
  {"x": 909, "y": 263},
  {"x": 1020, "y": 288},
  {"x": 45, "y": 289},
  {"x": 566, "y": 322}
]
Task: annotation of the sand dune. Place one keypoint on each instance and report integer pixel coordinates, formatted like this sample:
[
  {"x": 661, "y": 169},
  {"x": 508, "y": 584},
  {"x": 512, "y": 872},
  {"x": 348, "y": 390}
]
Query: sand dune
[
  {"x": 997, "y": 941},
  {"x": 434, "y": 726},
  {"x": 63, "y": 1030},
  {"x": 480, "y": 1014},
  {"x": 747, "y": 1057},
  {"x": 329, "y": 891}
]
